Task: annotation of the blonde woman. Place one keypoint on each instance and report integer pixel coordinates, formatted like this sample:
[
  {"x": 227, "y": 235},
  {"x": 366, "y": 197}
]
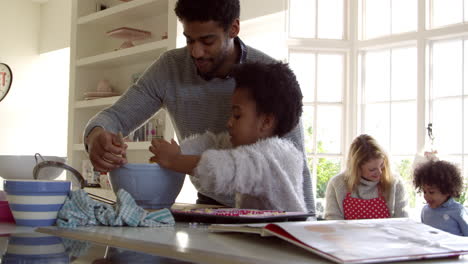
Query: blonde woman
[{"x": 367, "y": 189}]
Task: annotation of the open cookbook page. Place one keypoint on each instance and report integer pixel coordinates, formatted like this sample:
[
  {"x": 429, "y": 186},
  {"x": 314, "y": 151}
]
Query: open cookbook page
[{"x": 364, "y": 241}]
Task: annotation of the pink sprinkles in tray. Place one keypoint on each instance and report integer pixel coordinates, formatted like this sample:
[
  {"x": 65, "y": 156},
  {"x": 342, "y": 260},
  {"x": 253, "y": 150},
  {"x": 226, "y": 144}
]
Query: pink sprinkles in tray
[{"x": 233, "y": 212}]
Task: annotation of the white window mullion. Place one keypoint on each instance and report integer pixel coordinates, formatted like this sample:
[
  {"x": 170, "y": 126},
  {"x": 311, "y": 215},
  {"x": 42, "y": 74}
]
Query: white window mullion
[
  {"x": 363, "y": 91},
  {"x": 430, "y": 14},
  {"x": 422, "y": 16},
  {"x": 390, "y": 101},
  {"x": 363, "y": 24},
  {"x": 352, "y": 70},
  {"x": 430, "y": 87},
  {"x": 391, "y": 13},
  {"x": 348, "y": 117},
  {"x": 463, "y": 102},
  {"x": 463, "y": 11},
  {"x": 316, "y": 18},
  {"x": 346, "y": 19},
  {"x": 315, "y": 126},
  {"x": 422, "y": 77}
]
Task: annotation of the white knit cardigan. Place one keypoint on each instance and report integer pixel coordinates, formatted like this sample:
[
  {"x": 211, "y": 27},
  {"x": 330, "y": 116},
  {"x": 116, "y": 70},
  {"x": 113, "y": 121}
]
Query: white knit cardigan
[{"x": 265, "y": 175}]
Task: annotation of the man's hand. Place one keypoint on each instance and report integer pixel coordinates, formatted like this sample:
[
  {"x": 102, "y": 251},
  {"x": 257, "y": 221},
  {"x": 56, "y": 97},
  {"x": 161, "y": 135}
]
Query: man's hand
[
  {"x": 164, "y": 152},
  {"x": 105, "y": 149}
]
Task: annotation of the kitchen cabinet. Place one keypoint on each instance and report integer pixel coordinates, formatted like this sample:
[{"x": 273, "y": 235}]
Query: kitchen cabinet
[{"x": 96, "y": 56}]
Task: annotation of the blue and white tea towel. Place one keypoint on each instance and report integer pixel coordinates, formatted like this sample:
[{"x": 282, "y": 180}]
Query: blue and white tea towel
[{"x": 80, "y": 210}]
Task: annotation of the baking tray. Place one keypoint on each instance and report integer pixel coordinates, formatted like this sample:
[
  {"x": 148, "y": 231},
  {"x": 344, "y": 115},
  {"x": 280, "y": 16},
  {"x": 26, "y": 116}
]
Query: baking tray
[{"x": 236, "y": 216}]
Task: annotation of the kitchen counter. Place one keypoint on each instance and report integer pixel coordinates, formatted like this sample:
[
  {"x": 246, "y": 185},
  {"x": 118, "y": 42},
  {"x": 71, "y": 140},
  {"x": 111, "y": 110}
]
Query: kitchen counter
[
  {"x": 182, "y": 243},
  {"x": 25, "y": 245},
  {"x": 194, "y": 243}
]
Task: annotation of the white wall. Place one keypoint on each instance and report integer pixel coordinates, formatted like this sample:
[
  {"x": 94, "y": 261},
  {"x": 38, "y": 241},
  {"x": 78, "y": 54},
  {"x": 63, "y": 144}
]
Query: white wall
[
  {"x": 258, "y": 8},
  {"x": 33, "y": 116},
  {"x": 263, "y": 26},
  {"x": 55, "y": 25}
]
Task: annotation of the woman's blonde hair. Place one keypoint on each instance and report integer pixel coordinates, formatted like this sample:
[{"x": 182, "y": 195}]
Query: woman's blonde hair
[{"x": 363, "y": 149}]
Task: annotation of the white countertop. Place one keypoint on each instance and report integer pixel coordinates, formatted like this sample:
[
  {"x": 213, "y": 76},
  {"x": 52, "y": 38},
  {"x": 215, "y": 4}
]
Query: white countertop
[{"x": 197, "y": 244}]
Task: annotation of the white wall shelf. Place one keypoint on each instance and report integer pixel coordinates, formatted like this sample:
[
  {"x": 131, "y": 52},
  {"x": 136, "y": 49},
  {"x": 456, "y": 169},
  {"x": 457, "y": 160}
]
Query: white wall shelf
[
  {"x": 128, "y": 11},
  {"x": 94, "y": 58},
  {"x": 101, "y": 102},
  {"x": 124, "y": 56}
]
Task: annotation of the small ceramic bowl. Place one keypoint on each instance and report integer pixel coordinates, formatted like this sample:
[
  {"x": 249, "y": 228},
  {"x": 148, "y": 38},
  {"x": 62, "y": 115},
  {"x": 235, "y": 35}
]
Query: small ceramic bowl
[
  {"x": 36, "y": 202},
  {"x": 151, "y": 186}
]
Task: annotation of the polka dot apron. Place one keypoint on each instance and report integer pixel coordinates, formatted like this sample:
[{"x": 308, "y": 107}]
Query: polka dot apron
[{"x": 355, "y": 208}]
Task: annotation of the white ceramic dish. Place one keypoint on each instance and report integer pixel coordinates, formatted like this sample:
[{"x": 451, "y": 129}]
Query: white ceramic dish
[{"x": 21, "y": 167}]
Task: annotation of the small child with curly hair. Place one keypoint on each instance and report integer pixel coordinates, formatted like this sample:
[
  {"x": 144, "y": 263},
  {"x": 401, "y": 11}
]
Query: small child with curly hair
[{"x": 441, "y": 181}]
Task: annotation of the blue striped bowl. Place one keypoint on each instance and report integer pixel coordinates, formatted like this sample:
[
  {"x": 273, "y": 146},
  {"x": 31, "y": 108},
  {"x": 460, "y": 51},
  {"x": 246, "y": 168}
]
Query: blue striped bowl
[
  {"x": 35, "y": 202},
  {"x": 35, "y": 248}
]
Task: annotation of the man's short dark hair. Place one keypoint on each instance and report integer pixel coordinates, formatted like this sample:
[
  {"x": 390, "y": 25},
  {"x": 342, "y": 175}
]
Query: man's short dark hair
[
  {"x": 222, "y": 11},
  {"x": 441, "y": 174},
  {"x": 274, "y": 89}
]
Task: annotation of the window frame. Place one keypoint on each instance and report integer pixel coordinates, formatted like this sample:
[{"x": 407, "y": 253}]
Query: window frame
[
  {"x": 315, "y": 155},
  {"x": 362, "y": 89},
  {"x": 463, "y": 155},
  {"x": 345, "y": 32}
]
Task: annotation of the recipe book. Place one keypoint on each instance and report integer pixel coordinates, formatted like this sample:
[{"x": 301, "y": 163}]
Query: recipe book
[{"x": 361, "y": 241}]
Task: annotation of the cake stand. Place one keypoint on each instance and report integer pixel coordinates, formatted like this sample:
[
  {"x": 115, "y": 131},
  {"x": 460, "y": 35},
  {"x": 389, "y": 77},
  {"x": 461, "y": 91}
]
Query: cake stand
[{"x": 129, "y": 35}]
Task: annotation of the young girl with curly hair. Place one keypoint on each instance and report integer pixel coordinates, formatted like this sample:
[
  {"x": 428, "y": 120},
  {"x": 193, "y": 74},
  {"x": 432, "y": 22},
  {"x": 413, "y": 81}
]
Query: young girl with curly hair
[{"x": 441, "y": 181}]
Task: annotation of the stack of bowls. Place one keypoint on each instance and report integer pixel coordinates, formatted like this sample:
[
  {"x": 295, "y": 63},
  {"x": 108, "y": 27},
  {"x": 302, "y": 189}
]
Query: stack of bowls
[
  {"x": 36, "y": 202},
  {"x": 152, "y": 186}
]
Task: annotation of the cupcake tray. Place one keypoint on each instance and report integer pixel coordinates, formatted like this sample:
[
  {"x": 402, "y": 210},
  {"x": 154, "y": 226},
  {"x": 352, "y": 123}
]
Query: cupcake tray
[{"x": 236, "y": 216}]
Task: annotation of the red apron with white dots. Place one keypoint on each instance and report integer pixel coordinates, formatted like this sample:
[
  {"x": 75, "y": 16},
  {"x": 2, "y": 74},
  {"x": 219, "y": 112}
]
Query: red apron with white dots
[{"x": 355, "y": 208}]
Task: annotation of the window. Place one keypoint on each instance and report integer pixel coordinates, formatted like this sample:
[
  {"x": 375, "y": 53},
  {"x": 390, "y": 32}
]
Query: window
[
  {"x": 321, "y": 76},
  {"x": 443, "y": 12},
  {"x": 386, "y": 17},
  {"x": 316, "y": 19},
  {"x": 389, "y": 98},
  {"x": 448, "y": 98},
  {"x": 396, "y": 78},
  {"x": 389, "y": 105},
  {"x": 321, "y": 72}
]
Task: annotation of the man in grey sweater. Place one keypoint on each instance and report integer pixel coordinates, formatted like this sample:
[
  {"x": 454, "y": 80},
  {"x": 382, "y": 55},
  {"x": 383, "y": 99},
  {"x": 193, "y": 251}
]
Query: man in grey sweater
[{"x": 192, "y": 83}]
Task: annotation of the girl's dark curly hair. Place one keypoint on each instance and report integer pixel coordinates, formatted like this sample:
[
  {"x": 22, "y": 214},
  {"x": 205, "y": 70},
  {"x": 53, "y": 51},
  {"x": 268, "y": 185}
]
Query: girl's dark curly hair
[
  {"x": 222, "y": 11},
  {"x": 274, "y": 89},
  {"x": 442, "y": 174}
]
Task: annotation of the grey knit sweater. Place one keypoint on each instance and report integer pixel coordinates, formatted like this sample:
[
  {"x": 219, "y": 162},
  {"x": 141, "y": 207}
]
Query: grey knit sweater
[
  {"x": 336, "y": 193},
  {"x": 194, "y": 104}
]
